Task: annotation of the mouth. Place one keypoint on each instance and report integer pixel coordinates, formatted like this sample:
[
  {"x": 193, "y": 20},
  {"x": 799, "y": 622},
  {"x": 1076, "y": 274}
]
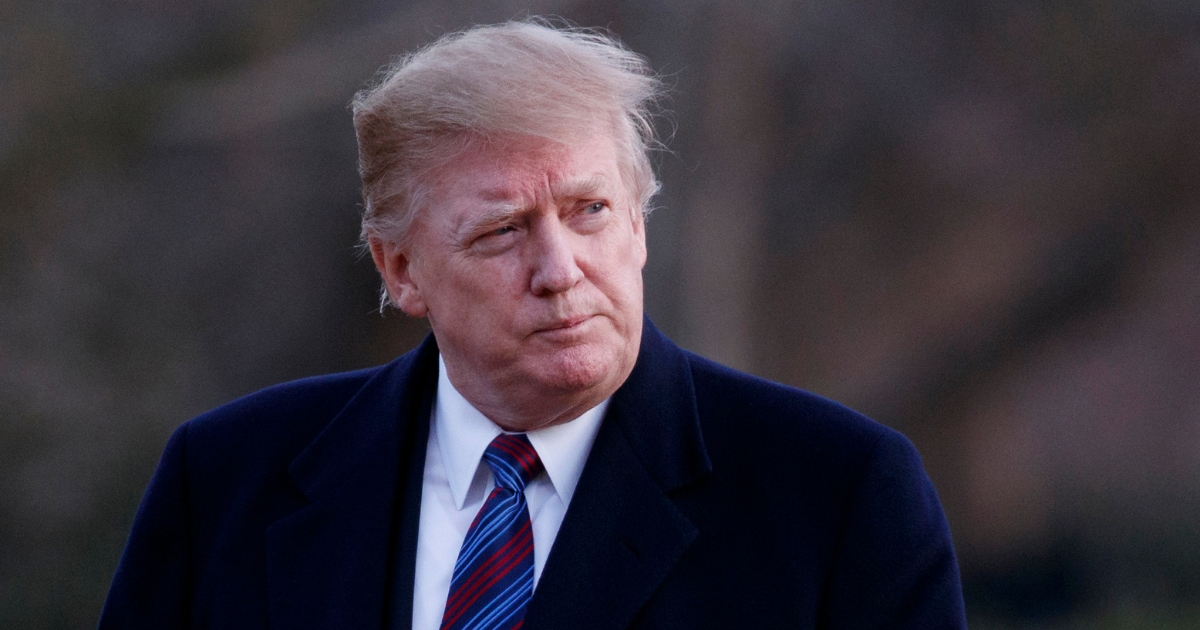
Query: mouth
[{"x": 566, "y": 324}]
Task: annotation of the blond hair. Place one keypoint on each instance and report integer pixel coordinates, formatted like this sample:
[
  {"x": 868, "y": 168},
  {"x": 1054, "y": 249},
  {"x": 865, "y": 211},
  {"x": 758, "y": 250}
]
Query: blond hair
[{"x": 516, "y": 78}]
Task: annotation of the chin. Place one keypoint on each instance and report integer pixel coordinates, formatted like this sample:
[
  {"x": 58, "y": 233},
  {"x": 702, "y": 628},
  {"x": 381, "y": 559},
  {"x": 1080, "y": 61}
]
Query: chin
[{"x": 578, "y": 368}]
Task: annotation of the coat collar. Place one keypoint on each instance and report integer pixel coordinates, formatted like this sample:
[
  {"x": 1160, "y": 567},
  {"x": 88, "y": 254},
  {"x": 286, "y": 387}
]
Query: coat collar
[
  {"x": 622, "y": 533},
  {"x": 328, "y": 563},
  {"x": 656, "y": 411}
]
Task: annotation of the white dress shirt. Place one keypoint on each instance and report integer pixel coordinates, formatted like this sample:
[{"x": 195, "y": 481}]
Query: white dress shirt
[{"x": 457, "y": 482}]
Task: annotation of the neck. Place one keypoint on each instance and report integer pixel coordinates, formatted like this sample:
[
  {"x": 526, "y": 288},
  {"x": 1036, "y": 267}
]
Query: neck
[{"x": 517, "y": 409}]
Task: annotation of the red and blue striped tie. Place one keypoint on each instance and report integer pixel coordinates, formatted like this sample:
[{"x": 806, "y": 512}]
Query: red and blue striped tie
[{"x": 493, "y": 578}]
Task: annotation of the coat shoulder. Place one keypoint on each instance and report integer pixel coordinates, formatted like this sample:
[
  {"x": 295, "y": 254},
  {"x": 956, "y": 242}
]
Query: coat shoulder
[
  {"x": 297, "y": 409},
  {"x": 775, "y": 415},
  {"x": 845, "y": 492},
  {"x": 250, "y": 441},
  {"x": 776, "y": 436}
]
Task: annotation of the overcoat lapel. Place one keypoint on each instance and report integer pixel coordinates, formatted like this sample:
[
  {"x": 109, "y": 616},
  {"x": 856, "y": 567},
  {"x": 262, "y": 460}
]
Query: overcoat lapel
[
  {"x": 328, "y": 563},
  {"x": 622, "y": 533}
]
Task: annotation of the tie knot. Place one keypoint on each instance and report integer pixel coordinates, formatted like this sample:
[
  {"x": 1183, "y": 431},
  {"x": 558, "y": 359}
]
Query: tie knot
[{"x": 513, "y": 461}]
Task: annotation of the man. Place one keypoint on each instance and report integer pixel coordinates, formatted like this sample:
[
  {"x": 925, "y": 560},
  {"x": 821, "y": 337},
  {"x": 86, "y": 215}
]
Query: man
[{"x": 546, "y": 458}]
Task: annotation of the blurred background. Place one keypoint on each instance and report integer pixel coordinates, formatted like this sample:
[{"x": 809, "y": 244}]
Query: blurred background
[{"x": 978, "y": 222}]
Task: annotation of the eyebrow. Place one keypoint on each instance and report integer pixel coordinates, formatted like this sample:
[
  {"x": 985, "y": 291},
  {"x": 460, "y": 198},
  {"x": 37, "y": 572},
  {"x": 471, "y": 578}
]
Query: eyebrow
[
  {"x": 494, "y": 215},
  {"x": 503, "y": 208},
  {"x": 581, "y": 187}
]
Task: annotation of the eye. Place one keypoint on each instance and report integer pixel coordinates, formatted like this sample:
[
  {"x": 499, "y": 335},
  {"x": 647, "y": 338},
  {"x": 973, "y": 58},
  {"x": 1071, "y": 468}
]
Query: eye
[
  {"x": 501, "y": 231},
  {"x": 595, "y": 207}
]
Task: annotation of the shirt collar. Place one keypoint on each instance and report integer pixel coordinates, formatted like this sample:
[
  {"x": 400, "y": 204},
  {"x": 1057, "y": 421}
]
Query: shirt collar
[{"x": 463, "y": 434}]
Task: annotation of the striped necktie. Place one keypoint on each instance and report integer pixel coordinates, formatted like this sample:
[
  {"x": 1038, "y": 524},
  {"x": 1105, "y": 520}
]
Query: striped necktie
[{"x": 493, "y": 578}]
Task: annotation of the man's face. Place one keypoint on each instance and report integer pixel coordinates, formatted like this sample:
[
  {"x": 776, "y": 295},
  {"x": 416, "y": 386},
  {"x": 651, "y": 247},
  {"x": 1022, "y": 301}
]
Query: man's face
[{"x": 528, "y": 262}]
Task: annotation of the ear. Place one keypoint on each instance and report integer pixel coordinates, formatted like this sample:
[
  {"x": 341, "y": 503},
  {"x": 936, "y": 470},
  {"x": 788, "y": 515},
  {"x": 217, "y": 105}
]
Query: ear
[
  {"x": 639, "y": 235},
  {"x": 395, "y": 267}
]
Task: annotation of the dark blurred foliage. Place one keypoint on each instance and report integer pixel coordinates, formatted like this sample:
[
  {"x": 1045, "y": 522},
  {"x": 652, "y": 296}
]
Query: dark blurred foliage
[{"x": 977, "y": 222}]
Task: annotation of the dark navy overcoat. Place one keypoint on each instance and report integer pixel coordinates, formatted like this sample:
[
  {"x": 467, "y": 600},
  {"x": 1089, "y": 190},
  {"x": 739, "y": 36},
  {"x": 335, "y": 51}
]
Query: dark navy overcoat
[{"x": 710, "y": 499}]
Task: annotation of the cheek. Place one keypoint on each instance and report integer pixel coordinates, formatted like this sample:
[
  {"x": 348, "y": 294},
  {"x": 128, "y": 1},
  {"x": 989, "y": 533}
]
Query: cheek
[
  {"x": 618, "y": 274},
  {"x": 484, "y": 290}
]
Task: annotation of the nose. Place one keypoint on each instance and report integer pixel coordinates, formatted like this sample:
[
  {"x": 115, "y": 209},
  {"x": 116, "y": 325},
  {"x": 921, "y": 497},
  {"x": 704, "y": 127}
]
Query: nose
[{"x": 555, "y": 269}]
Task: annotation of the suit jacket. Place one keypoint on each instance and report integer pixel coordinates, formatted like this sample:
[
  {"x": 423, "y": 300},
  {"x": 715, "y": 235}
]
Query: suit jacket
[{"x": 710, "y": 499}]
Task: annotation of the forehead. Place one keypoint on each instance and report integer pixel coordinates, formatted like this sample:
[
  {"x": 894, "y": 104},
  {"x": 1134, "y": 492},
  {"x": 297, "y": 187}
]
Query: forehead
[{"x": 516, "y": 168}]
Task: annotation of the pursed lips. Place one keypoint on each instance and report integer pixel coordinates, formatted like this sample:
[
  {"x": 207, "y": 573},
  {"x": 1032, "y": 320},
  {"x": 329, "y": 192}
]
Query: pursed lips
[{"x": 565, "y": 324}]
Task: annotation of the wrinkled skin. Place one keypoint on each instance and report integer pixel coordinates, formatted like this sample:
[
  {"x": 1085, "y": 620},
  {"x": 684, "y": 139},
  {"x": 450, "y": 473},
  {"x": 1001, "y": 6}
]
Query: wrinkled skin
[{"x": 527, "y": 260}]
